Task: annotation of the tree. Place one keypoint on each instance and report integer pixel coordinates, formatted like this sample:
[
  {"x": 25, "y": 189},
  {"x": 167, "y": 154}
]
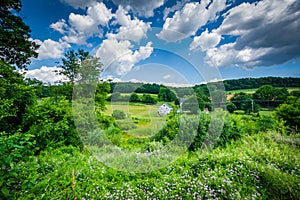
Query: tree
[
  {"x": 165, "y": 94},
  {"x": 101, "y": 93},
  {"x": 244, "y": 102},
  {"x": 15, "y": 96},
  {"x": 231, "y": 107},
  {"x": 16, "y": 48},
  {"x": 71, "y": 63},
  {"x": 146, "y": 98},
  {"x": 268, "y": 96},
  {"x": 134, "y": 98},
  {"x": 289, "y": 112}
]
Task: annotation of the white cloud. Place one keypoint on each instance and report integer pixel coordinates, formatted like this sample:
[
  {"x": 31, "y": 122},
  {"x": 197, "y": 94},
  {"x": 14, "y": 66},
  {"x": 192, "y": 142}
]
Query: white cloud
[
  {"x": 78, "y": 3},
  {"x": 100, "y": 13},
  {"x": 46, "y": 74},
  {"x": 119, "y": 57},
  {"x": 131, "y": 29},
  {"x": 268, "y": 33},
  {"x": 81, "y": 27},
  {"x": 178, "y": 6},
  {"x": 143, "y": 8},
  {"x": 167, "y": 76},
  {"x": 187, "y": 21},
  {"x": 205, "y": 41},
  {"x": 51, "y": 49},
  {"x": 60, "y": 26},
  {"x": 111, "y": 78}
]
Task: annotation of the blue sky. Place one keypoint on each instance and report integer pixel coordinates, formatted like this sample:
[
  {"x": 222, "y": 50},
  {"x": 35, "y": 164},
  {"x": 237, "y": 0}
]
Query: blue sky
[{"x": 166, "y": 41}]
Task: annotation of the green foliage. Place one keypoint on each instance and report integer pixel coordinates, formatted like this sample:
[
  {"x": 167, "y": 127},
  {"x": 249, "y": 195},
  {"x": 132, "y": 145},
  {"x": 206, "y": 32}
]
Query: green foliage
[
  {"x": 169, "y": 131},
  {"x": 268, "y": 96},
  {"x": 250, "y": 83},
  {"x": 118, "y": 114},
  {"x": 295, "y": 93},
  {"x": 16, "y": 47},
  {"x": 231, "y": 107},
  {"x": 129, "y": 87},
  {"x": 101, "y": 93},
  {"x": 190, "y": 105},
  {"x": 257, "y": 167},
  {"x": 265, "y": 122},
  {"x": 146, "y": 98},
  {"x": 71, "y": 63},
  {"x": 13, "y": 149},
  {"x": 166, "y": 94},
  {"x": 289, "y": 112},
  {"x": 244, "y": 102},
  {"x": 51, "y": 122},
  {"x": 15, "y": 97},
  {"x": 134, "y": 98}
]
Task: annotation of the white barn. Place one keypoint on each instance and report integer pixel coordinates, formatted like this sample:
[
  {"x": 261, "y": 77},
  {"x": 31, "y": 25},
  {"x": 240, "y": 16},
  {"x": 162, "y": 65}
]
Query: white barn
[{"x": 164, "y": 109}]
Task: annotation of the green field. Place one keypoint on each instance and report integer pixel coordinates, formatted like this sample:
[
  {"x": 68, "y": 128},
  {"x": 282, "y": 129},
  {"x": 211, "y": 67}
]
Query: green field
[
  {"x": 251, "y": 91},
  {"x": 141, "y": 120}
]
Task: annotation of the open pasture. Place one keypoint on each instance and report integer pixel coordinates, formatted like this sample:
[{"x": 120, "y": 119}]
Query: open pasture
[{"x": 141, "y": 120}]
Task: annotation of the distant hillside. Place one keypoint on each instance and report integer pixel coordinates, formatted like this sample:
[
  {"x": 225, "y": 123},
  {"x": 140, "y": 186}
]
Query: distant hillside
[
  {"x": 234, "y": 84},
  {"x": 249, "y": 83}
]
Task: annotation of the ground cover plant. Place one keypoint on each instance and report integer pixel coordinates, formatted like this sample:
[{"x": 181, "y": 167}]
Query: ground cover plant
[{"x": 264, "y": 165}]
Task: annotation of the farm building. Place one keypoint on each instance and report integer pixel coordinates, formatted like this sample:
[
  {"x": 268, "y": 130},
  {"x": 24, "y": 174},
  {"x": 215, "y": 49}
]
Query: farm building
[{"x": 164, "y": 109}]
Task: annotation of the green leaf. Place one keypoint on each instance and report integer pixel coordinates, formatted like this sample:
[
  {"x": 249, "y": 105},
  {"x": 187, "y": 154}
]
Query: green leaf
[{"x": 5, "y": 191}]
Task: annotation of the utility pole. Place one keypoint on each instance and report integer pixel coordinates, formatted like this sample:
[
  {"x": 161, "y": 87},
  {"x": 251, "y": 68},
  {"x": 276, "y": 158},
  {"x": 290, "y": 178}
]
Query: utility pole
[{"x": 252, "y": 106}]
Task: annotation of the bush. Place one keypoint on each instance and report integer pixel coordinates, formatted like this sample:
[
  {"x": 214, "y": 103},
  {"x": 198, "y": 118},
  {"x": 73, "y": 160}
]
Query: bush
[
  {"x": 52, "y": 124},
  {"x": 231, "y": 107},
  {"x": 119, "y": 114},
  {"x": 289, "y": 112}
]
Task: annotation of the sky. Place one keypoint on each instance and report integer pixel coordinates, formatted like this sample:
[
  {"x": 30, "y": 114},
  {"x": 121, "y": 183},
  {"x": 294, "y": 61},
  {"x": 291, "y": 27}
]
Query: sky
[{"x": 177, "y": 43}]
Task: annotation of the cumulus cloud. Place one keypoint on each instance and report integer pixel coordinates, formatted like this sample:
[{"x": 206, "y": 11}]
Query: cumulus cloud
[
  {"x": 60, "y": 26},
  {"x": 81, "y": 27},
  {"x": 268, "y": 33},
  {"x": 51, "y": 49},
  {"x": 143, "y": 8},
  {"x": 131, "y": 29},
  {"x": 119, "y": 57},
  {"x": 205, "y": 41},
  {"x": 46, "y": 74},
  {"x": 189, "y": 19},
  {"x": 78, "y": 3},
  {"x": 178, "y": 6}
]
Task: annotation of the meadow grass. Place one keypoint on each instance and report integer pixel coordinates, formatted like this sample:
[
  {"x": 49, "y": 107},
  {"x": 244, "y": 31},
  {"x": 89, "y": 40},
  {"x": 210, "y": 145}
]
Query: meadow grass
[
  {"x": 259, "y": 166},
  {"x": 142, "y": 120},
  {"x": 252, "y": 90}
]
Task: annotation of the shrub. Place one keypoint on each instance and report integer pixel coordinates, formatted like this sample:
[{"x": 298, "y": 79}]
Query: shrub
[
  {"x": 52, "y": 124},
  {"x": 119, "y": 114}
]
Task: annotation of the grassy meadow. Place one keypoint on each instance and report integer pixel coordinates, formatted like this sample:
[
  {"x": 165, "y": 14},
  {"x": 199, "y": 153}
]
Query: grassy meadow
[
  {"x": 259, "y": 166},
  {"x": 141, "y": 120}
]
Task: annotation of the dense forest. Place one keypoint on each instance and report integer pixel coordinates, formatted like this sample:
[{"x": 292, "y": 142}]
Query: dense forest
[{"x": 234, "y": 84}]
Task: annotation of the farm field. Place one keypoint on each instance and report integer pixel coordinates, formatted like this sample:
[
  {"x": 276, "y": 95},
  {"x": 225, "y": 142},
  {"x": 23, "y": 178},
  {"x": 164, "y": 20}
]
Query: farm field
[
  {"x": 251, "y": 91},
  {"x": 142, "y": 121}
]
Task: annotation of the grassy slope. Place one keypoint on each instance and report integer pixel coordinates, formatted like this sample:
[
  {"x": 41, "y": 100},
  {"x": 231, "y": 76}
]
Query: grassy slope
[
  {"x": 251, "y": 91},
  {"x": 142, "y": 120},
  {"x": 262, "y": 166}
]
